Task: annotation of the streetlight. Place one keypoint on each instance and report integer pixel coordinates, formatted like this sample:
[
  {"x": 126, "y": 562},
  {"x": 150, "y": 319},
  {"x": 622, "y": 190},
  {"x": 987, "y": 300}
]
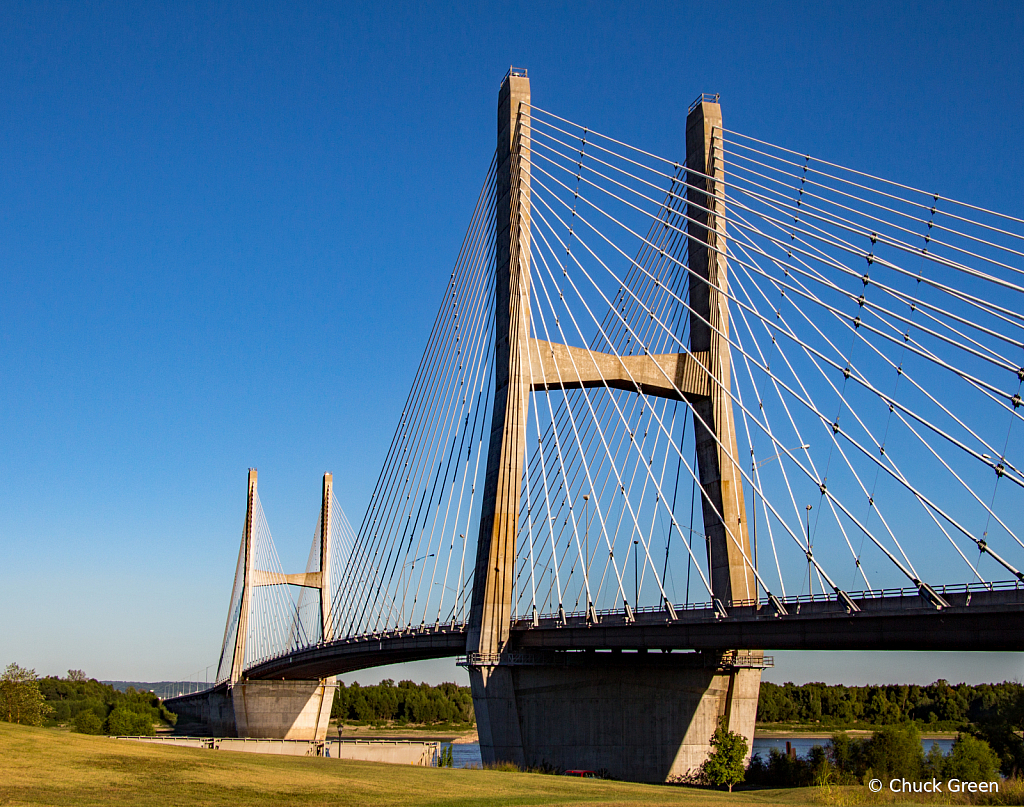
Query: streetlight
[
  {"x": 586, "y": 537},
  {"x": 810, "y": 573},
  {"x": 753, "y": 467},
  {"x": 636, "y": 578}
]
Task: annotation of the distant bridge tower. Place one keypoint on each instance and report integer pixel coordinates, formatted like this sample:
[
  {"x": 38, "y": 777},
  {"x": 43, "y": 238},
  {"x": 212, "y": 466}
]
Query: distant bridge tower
[
  {"x": 663, "y": 707},
  {"x": 281, "y": 709},
  {"x": 319, "y": 580}
]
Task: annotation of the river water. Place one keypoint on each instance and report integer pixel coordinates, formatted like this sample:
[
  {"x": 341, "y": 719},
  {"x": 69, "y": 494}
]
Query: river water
[{"x": 467, "y": 755}]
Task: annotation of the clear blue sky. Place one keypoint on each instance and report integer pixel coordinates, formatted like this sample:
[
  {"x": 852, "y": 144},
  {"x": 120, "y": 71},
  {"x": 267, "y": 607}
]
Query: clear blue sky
[{"x": 225, "y": 230}]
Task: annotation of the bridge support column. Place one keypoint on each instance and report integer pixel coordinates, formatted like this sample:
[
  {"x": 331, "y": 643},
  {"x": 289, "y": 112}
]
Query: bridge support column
[
  {"x": 636, "y": 717},
  {"x": 491, "y": 612},
  {"x": 642, "y": 717},
  {"x": 283, "y": 710}
]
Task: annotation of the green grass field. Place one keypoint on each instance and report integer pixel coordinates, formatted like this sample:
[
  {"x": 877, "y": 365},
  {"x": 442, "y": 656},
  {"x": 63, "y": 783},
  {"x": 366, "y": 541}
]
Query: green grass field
[{"x": 52, "y": 767}]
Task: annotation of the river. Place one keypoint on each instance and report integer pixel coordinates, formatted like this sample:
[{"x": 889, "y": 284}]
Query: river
[{"x": 467, "y": 755}]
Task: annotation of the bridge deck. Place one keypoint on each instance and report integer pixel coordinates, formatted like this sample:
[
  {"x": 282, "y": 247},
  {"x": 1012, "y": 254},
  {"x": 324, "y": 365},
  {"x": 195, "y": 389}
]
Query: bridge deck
[{"x": 979, "y": 618}]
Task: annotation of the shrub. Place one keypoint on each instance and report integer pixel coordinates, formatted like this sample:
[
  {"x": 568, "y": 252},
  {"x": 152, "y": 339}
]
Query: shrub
[
  {"x": 895, "y": 751},
  {"x": 125, "y": 722},
  {"x": 87, "y": 723},
  {"x": 971, "y": 759}
]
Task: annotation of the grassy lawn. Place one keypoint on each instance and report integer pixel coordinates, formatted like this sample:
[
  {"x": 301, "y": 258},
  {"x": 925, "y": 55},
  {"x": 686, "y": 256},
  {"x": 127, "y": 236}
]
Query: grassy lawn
[{"x": 47, "y": 766}]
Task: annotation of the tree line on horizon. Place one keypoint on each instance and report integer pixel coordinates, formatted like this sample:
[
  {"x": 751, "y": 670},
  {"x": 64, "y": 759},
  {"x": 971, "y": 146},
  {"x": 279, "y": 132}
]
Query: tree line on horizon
[
  {"x": 940, "y": 705},
  {"x": 81, "y": 703},
  {"x": 404, "y": 702}
]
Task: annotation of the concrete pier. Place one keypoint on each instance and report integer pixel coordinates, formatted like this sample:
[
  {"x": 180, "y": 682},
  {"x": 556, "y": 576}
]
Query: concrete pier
[
  {"x": 283, "y": 710},
  {"x": 286, "y": 710},
  {"x": 644, "y": 718}
]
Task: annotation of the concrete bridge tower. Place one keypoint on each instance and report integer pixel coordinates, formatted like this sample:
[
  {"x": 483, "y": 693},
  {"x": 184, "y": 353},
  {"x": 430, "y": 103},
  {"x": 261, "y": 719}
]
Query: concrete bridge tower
[{"x": 646, "y": 716}]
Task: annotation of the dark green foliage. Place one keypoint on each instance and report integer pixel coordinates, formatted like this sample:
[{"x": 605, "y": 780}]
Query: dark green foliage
[
  {"x": 86, "y": 722},
  {"x": 724, "y": 766},
  {"x": 893, "y": 752},
  {"x": 405, "y": 702},
  {"x": 1004, "y": 739},
  {"x": 938, "y": 705},
  {"x": 971, "y": 759},
  {"x": 990, "y": 712},
  {"x": 73, "y": 698},
  {"x": 20, "y": 698},
  {"x": 781, "y": 769},
  {"x": 447, "y": 758},
  {"x": 124, "y": 721}
]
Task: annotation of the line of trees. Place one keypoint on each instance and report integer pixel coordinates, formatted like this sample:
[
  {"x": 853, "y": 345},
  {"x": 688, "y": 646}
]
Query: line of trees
[
  {"x": 404, "y": 702},
  {"x": 77, "y": 701},
  {"x": 939, "y": 706},
  {"x": 892, "y": 752}
]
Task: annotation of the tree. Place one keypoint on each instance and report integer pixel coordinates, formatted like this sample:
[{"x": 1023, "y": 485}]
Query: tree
[
  {"x": 20, "y": 698},
  {"x": 725, "y": 764},
  {"x": 86, "y": 722},
  {"x": 971, "y": 760},
  {"x": 125, "y": 722},
  {"x": 78, "y": 676},
  {"x": 895, "y": 751}
]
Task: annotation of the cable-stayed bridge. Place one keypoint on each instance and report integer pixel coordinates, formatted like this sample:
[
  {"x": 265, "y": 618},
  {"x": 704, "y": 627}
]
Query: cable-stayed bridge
[{"x": 674, "y": 411}]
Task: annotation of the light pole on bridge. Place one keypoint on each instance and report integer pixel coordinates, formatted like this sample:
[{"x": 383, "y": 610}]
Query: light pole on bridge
[
  {"x": 636, "y": 577},
  {"x": 810, "y": 563},
  {"x": 753, "y": 468}
]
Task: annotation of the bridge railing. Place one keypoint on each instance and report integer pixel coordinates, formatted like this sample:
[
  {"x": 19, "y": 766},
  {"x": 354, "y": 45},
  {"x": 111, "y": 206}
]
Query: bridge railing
[
  {"x": 408, "y": 630},
  {"x": 804, "y": 599},
  {"x": 686, "y": 608}
]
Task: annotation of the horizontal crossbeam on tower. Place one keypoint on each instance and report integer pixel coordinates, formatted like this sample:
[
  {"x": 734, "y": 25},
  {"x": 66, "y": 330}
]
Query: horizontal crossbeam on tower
[
  {"x": 675, "y": 376},
  {"x": 303, "y": 579}
]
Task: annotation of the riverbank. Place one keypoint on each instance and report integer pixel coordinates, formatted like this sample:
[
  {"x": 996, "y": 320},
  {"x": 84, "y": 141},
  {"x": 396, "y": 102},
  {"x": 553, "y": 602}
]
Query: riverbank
[
  {"x": 787, "y": 732},
  {"x": 461, "y": 736}
]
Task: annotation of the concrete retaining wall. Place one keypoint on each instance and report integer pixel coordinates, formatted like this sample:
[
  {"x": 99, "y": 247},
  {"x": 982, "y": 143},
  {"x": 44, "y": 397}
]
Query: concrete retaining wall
[{"x": 398, "y": 752}]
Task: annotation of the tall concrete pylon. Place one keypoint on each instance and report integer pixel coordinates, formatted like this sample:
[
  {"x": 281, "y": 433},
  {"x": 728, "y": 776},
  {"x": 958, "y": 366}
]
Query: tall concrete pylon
[
  {"x": 723, "y": 504},
  {"x": 646, "y": 718},
  {"x": 294, "y": 710},
  {"x": 491, "y": 611},
  {"x": 242, "y": 632},
  {"x": 253, "y": 578},
  {"x": 725, "y": 520},
  {"x": 326, "y": 629}
]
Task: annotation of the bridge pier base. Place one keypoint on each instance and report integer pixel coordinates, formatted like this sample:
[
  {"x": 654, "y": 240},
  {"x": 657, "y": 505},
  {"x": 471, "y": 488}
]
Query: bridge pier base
[
  {"x": 283, "y": 710},
  {"x": 277, "y": 710},
  {"x": 641, "y": 717}
]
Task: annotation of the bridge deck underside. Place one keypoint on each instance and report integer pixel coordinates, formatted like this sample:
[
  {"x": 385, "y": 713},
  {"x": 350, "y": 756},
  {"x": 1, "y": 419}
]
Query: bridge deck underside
[{"x": 980, "y": 621}]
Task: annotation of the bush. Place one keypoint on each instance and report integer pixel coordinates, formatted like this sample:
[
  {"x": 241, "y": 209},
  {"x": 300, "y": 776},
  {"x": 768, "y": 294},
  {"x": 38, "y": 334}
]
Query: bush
[
  {"x": 75, "y": 694},
  {"x": 87, "y": 723},
  {"x": 124, "y": 722},
  {"x": 971, "y": 759},
  {"x": 895, "y": 751}
]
